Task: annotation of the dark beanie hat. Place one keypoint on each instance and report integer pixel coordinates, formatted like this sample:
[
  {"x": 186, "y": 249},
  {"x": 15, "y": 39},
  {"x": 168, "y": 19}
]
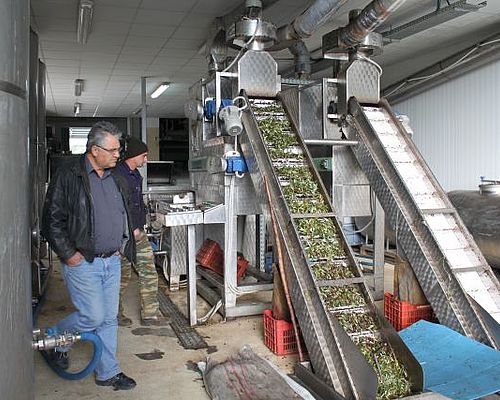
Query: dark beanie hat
[{"x": 135, "y": 147}]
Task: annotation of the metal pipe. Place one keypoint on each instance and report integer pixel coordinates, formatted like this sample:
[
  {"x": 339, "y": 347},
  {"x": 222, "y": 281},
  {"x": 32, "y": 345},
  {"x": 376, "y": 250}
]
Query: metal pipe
[
  {"x": 302, "y": 59},
  {"x": 290, "y": 36},
  {"x": 320, "y": 11},
  {"x": 144, "y": 130},
  {"x": 17, "y": 370},
  {"x": 306, "y": 23},
  {"x": 367, "y": 21}
]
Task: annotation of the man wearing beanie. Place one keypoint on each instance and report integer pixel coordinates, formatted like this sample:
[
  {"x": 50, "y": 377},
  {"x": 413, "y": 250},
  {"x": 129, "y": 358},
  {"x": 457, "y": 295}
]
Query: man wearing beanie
[{"x": 135, "y": 156}]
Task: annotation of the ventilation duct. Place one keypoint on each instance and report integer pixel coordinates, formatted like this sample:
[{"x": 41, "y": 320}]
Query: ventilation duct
[
  {"x": 302, "y": 59},
  {"x": 367, "y": 21}
]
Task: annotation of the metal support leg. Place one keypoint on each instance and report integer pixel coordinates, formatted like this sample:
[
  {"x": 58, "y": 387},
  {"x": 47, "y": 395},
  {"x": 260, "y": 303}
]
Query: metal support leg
[
  {"x": 230, "y": 239},
  {"x": 261, "y": 241},
  {"x": 378, "y": 252},
  {"x": 191, "y": 242},
  {"x": 178, "y": 265}
]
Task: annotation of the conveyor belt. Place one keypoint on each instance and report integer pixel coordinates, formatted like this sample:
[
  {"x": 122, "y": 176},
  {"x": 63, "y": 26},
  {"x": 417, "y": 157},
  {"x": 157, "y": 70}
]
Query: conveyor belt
[
  {"x": 454, "y": 275},
  {"x": 345, "y": 336}
]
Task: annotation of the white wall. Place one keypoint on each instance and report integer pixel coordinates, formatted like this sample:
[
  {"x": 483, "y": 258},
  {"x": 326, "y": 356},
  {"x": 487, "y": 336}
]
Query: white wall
[{"x": 457, "y": 127}]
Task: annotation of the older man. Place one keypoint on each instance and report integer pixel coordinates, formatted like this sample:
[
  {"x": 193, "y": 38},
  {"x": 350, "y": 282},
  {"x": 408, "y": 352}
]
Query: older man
[{"x": 86, "y": 221}]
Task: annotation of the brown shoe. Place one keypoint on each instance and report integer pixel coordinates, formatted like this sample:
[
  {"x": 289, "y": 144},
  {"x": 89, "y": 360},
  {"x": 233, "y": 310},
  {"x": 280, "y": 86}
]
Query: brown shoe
[
  {"x": 158, "y": 320},
  {"x": 124, "y": 321}
]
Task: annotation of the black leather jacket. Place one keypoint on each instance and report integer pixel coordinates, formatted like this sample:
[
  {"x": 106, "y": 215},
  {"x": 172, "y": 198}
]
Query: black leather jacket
[{"x": 68, "y": 214}]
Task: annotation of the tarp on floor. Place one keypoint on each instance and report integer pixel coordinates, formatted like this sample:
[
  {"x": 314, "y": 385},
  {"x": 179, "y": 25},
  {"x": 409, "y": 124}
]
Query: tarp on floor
[
  {"x": 454, "y": 365},
  {"x": 246, "y": 376}
]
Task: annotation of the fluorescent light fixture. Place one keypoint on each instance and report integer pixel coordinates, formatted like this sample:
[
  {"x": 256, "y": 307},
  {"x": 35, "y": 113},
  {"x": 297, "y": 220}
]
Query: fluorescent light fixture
[
  {"x": 137, "y": 111},
  {"x": 160, "y": 89},
  {"x": 85, "y": 13},
  {"x": 76, "y": 108},
  {"x": 78, "y": 87}
]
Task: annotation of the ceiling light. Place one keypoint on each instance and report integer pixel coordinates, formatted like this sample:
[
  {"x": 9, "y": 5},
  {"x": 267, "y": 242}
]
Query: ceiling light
[
  {"x": 160, "y": 89},
  {"x": 76, "y": 108},
  {"x": 137, "y": 111},
  {"x": 78, "y": 87},
  {"x": 85, "y": 13}
]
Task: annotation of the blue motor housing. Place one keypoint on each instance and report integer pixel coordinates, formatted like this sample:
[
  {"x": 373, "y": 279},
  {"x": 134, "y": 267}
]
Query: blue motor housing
[
  {"x": 236, "y": 164},
  {"x": 210, "y": 108}
]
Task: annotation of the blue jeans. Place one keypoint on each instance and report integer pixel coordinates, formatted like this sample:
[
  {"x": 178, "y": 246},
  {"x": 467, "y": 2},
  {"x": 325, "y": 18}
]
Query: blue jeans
[{"x": 94, "y": 290}]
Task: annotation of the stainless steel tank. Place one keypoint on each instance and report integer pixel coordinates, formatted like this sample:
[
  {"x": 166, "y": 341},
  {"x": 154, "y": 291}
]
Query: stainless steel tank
[
  {"x": 480, "y": 211},
  {"x": 17, "y": 366}
]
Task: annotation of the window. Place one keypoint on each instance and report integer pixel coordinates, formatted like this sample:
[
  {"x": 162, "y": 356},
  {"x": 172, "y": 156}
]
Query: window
[{"x": 78, "y": 140}]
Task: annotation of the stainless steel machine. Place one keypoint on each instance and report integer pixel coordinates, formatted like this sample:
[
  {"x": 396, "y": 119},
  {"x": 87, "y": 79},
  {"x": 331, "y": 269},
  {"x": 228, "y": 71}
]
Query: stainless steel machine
[{"x": 252, "y": 132}]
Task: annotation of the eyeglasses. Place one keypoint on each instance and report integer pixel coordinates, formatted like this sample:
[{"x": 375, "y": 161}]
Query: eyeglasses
[{"x": 110, "y": 151}]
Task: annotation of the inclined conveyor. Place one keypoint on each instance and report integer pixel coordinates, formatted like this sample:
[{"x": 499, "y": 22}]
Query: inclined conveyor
[
  {"x": 350, "y": 344},
  {"x": 455, "y": 277}
]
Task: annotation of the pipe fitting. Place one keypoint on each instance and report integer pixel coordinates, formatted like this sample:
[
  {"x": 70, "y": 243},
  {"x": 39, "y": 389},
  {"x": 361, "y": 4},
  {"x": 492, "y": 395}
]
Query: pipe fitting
[
  {"x": 367, "y": 21},
  {"x": 46, "y": 341}
]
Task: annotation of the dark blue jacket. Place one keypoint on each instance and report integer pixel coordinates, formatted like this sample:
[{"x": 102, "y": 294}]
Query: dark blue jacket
[{"x": 134, "y": 185}]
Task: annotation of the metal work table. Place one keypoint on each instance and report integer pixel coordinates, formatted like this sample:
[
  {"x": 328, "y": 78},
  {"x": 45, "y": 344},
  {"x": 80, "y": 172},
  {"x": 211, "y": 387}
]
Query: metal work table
[{"x": 189, "y": 219}]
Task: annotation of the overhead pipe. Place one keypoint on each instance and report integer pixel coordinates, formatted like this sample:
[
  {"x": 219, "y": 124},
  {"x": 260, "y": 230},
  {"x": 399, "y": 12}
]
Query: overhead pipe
[
  {"x": 302, "y": 59},
  {"x": 367, "y": 21},
  {"x": 306, "y": 23},
  {"x": 216, "y": 53},
  {"x": 321, "y": 11},
  {"x": 290, "y": 36}
]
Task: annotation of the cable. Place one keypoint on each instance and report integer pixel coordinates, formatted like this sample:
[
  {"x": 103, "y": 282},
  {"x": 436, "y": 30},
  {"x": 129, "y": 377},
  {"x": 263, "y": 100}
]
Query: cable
[
  {"x": 237, "y": 292},
  {"x": 211, "y": 313},
  {"x": 372, "y": 218},
  {"x": 379, "y": 68},
  {"x": 452, "y": 65},
  {"x": 366, "y": 226},
  {"x": 244, "y": 48},
  {"x": 396, "y": 89}
]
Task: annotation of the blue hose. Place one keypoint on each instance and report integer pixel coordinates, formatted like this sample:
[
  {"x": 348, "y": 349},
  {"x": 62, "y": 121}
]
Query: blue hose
[{"x": 88, "y": 337}]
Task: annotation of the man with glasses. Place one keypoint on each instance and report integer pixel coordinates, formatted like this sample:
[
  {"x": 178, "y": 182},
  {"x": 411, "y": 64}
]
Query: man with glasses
[
  {"x": 87, "y": 223},
  {"x": 135, "y": 157}
]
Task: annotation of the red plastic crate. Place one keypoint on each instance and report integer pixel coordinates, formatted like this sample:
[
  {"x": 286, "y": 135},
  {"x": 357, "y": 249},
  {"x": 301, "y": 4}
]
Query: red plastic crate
[
  {"x": 211, "y": 256},
  {"x": 402, "y": 314},
  {"x": 278, "y": 335},
  {"x": 242, "y": 265}
]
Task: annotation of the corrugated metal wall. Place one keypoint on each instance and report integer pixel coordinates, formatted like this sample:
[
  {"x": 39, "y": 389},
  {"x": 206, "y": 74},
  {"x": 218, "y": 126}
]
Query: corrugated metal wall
[{"x": 457, "y": 127}]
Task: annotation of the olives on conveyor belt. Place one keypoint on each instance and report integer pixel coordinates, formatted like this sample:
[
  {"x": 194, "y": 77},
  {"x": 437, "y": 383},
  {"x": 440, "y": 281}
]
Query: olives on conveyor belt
[{"x": 323, "y": 247}]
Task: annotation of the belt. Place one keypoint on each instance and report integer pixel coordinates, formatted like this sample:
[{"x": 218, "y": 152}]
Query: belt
[{"x": 106, "y": 254}]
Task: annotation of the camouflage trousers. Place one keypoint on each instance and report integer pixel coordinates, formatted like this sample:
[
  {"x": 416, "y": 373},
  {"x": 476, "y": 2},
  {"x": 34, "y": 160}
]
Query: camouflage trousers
[{"x": 148, "y": 278}]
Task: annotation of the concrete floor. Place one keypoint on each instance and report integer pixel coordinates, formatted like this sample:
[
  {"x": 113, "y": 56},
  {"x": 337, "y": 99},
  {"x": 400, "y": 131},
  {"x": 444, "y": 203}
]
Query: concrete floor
[{"x": 169, "y": 377}]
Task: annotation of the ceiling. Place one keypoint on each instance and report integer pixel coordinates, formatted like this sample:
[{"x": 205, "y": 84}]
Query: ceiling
[{"x": 163, "y": 40}]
